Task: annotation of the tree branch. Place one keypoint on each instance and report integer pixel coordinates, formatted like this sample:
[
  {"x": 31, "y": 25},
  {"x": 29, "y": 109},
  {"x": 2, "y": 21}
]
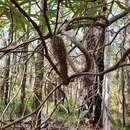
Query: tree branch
[
  {"x": 46, "y": 17},
  {"x": 36, "y": 27},
  {"x": 81, "y": 48}
]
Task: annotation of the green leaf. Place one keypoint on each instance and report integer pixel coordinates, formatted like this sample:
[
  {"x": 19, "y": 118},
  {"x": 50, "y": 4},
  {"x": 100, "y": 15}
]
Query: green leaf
[
  {"x": 92, "y": 11},
  {"x": 19, "y": 20}
]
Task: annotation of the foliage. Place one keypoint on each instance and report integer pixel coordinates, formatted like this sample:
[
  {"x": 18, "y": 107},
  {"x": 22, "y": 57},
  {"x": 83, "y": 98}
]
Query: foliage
[{"x": 16, "y": 29}]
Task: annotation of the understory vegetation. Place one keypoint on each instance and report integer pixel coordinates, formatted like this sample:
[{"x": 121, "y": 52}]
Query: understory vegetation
[{"x": 64, "y": 65}]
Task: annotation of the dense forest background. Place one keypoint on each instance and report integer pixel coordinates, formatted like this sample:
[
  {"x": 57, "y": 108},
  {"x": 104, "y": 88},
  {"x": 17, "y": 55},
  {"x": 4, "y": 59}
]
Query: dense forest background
[{"x": 64, "y": 65}]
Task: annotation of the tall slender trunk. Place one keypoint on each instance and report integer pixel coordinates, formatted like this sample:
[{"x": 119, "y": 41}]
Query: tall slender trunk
[
  {"x": 38, "y": 87},
  {"x": 6, "y": 82},
  {"x": 23, "y": 85},
  {"x": 106, "y": 89},
  {"x": 122, "y": 102},
  {"x": 123, "y": 95},
  {"x": 123, "y": 90},
  {"x": 7, "y": 71},
  {"x": 128, "y": 90}
]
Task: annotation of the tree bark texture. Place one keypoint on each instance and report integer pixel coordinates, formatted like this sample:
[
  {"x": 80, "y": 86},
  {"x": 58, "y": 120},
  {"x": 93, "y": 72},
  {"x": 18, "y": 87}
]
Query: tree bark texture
[
  {"x": 38, "y": 87},
  {"x": 92, "y": 85}
]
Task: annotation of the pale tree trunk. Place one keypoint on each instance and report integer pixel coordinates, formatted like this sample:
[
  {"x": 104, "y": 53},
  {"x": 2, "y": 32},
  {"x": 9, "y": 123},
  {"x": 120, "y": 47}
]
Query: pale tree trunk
[
  {"x": 7, "y": 70},
  {"x": 122, "y": 103},
  {"x": 106, "y": 90},
  {"x": 6, "y": 80},
  {"x": 2, "y": 62},
  {"x": 38, "y": 87},
  {"x": 119, "y": 95}
]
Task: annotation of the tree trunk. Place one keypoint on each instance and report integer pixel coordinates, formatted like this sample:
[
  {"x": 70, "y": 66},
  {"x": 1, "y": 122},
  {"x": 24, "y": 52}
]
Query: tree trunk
[
  {"x": 106, "y": 89},
  {"x": 128, "y": 90},
  {"x": 92, "y": 85},
  {"x": 25, "y": 56},
  {"x": 123, "y": 96},
  {"x": 23, "y": 85},
  {"x": 7, "y": 70},
  {"x": 6, "y": 80},
  {"x": 38, "y": 87}
]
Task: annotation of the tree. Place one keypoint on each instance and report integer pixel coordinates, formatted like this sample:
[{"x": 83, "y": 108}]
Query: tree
[
  {"x": 82, "y": 25},
  {"x": 38, "y": 87}
]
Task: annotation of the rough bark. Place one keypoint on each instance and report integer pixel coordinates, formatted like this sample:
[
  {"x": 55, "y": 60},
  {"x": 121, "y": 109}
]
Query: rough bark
[
  {"x": 92, "y": 85},
  {"x": 6, "y": 79},
  {"x": 23, "y": 85},
  {"x": 38, "y": 87},
  {"x": 59, "y": 51},
  {"x": 7, "y": 71}
]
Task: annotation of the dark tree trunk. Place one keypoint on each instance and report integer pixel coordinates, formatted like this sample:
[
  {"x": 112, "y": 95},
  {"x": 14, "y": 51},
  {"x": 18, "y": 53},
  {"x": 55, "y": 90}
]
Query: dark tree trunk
[
  {"x": 92, "y": 85},
  {"x": 23, "y": 84}
]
